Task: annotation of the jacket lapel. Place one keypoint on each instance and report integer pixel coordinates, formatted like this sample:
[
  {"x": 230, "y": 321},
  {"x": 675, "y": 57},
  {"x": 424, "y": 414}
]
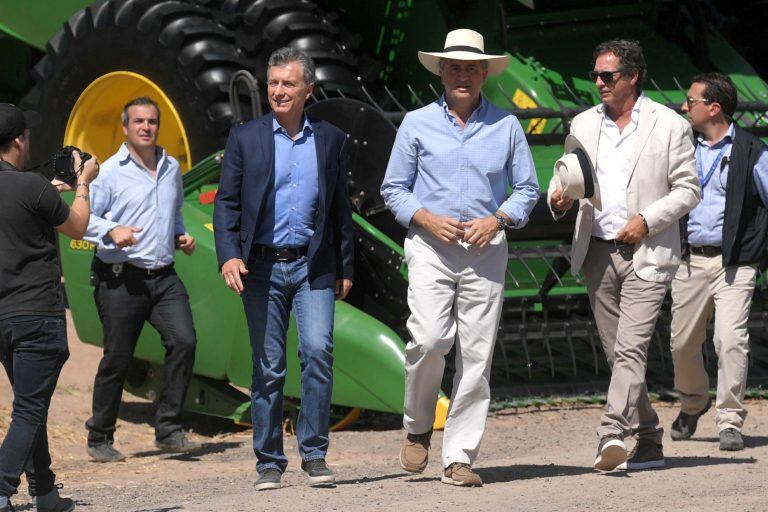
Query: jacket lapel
[
  {"x": 594, "y": 132},
  {"x": 320, "y": 151},
  {"x": 267, "y": 146},
  {"x": 646, "y": 123}
]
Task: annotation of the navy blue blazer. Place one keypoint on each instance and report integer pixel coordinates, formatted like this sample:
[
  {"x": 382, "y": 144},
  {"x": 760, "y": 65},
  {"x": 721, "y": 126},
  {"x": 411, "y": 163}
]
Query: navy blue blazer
[{"x": 248, "y": 173}]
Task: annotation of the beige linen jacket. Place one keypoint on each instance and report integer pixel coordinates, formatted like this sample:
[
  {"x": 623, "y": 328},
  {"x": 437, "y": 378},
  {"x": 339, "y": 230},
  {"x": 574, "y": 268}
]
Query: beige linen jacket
[{"x": 662, "y": 186}]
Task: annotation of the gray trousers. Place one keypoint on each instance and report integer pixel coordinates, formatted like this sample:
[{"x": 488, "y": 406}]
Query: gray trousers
[{"x": 625, "y": 308}]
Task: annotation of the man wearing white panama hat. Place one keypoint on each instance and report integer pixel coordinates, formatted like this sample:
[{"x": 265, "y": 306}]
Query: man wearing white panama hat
[
  {"x": 447, "y": 182},
  {"x": 629, "y": 245}
]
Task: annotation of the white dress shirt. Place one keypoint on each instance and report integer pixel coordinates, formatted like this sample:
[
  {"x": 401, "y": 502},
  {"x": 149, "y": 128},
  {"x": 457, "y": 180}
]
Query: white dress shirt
[{"x": 614, "y": 149}]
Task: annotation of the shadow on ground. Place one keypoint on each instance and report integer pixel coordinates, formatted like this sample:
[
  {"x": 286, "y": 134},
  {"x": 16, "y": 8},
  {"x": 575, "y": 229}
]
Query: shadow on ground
[
  {"x": 143, "y": 413},
  {"x": 501, "y": 474},
  {"x": 369, "y": 479},
  {"x": 749, "y": 441},
  {"x": 194, "y": 455}
]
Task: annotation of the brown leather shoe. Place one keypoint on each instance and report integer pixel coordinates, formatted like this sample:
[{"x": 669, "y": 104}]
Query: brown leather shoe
[
  {"x": 462, "y": 475},
  {"x": 414, "y": 454}
]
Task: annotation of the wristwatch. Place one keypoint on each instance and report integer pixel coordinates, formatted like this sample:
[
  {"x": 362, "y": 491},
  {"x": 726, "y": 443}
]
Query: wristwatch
[{"x": 502, "y": 222}]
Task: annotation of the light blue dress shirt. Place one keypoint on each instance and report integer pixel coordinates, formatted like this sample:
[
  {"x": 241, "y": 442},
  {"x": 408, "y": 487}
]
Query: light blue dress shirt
[
  {"x": 291, "y": 206},
  {"x": 705, "y": 222},
  {"x": 125, "y": 194},
  {"x": 462, "y": 174}
]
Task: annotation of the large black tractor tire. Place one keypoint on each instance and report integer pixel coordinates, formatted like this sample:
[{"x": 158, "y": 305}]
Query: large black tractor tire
[
  {"x": 266, "y": 25},
  {"x": 177, "y": 45}
]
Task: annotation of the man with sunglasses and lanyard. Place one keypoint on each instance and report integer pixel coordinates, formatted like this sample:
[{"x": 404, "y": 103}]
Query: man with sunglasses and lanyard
[
  {"x": 629, "y": 249},
  {"x": 726, "y": 238}
]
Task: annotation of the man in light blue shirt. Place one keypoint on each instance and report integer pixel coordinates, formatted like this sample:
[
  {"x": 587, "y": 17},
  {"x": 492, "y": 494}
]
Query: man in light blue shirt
[
  {"x": 290, "y": 211},
  {"x": 136, "y": 224},
  {"x": 727, "y": 237},
  {"x": 447, "y": 180}
]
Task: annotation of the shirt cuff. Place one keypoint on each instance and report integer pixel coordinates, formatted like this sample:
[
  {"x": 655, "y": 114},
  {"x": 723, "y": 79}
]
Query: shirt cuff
[
  {"x": 406, "y": 212},
  {"x": 106, "y": 227},
  {"x": 515, "y": 214}
]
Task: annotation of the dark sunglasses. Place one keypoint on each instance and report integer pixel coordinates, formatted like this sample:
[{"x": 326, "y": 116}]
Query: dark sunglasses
[{"x": 607, "y": 77}]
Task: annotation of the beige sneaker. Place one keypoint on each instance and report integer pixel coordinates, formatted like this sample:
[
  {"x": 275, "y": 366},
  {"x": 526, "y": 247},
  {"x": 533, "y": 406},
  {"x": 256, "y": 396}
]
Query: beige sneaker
[
  {"x": 414, "y": 454},
  {"x": 461, "y": 474}
]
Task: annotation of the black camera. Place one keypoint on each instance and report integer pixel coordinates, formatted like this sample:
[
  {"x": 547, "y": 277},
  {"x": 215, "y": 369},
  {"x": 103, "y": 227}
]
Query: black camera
[{"x": 61, "y": 166}]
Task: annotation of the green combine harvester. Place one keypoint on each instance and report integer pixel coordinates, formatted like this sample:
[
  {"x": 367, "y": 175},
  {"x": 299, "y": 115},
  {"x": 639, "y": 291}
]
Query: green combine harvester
[{"x": 78, "y": 62}]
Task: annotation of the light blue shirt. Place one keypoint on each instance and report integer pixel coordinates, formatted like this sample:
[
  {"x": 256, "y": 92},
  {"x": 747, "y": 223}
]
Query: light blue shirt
[
  {"x": 705, "y": 222},
  {"x": 462, "y": 174},
  {"x": 291, "y": 206},
  {"x": 125, "y": 194}
]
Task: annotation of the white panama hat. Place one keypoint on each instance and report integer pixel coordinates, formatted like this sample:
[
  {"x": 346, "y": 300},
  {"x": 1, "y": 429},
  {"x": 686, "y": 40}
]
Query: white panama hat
[
  {"x": 576, "y": 173},
  {"x": 464, "y": 44}
]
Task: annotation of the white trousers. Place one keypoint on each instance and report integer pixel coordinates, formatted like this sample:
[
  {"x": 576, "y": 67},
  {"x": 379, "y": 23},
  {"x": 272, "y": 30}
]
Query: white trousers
[{"x": 455, "y": 294}]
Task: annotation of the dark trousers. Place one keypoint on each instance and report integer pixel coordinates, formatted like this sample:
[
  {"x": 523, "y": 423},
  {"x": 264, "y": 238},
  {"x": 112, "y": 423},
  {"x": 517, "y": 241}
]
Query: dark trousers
[
  {"x": 33, "y": 350},
  {"x": 125, "y": 302}
]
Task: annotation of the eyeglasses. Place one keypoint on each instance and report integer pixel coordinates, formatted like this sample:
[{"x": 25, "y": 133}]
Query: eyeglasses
[
  {"x": 605, "y": 76},
  {"x": 692, "y": 101}
]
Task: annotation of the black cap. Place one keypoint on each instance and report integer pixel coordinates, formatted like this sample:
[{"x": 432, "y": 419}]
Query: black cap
[{"x": 13, "y": 121}]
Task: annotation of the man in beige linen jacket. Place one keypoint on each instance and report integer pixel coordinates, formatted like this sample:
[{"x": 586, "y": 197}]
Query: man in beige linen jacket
[{"x": 630, "y": 249}]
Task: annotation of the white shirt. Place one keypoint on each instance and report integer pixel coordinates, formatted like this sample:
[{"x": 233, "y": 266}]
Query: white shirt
[{"x": 614, "y": 149}]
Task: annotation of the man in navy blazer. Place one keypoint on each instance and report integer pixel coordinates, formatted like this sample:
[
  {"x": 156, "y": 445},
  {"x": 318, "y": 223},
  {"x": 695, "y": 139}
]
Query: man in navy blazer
[{"x": 283, "y": 231}]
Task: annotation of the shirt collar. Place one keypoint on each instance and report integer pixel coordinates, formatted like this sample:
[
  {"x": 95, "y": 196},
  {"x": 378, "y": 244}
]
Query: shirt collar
[
  {"x": 728, "y": 137},
  {"x": 7, "y": 166},
  {"x": 277, "y": 127},
  {"x": 635, "y": 108},
  {"x": 124, "y": 155},
  {"x": 478, "y": 111}
]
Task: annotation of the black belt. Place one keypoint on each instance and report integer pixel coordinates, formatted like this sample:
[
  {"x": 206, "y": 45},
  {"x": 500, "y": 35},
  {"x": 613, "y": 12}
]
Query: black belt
[
  {"x": 271, "y": 253},
  {"x": 616, "y": 243},
  {"x": 709, "y": 251},
  {"x": 117, "y": 269}
]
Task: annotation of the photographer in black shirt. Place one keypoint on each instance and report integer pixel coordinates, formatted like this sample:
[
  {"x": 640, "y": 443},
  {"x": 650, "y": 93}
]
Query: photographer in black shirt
[{"x": 33, "y": 330}]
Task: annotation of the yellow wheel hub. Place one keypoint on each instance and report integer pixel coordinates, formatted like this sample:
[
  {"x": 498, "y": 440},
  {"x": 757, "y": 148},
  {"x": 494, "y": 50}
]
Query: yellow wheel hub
[{"x": 94, "y": 124}]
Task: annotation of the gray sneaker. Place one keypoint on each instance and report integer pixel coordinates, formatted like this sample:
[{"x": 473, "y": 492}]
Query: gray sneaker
[
  {"x": 269, "y": 479},
  {"x": 52, "y": 502},
  {"x": 731, "y": 440},
  {"x": 104, "y": 452},
  {"x": 318, "y": 472},
  {"x": 685, "y": 425},
  {"x": 645, "y": 455},
  {"x": 63, "y": 505},
  {"x": 610, "y": 453},
  {"x": 177, "y": 442}
]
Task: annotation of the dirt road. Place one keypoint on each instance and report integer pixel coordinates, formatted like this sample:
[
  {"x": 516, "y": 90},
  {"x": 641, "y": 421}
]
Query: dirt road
[{"x": 531, "y": 460}]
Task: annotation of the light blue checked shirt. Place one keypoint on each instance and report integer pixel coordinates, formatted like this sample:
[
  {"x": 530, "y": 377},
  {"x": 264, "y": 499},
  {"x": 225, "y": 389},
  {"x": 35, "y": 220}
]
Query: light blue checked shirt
[
  {"x": 462, "y": 174},
  {"x": 705, "y": 222},
  {"x": 125, "y": 194}
]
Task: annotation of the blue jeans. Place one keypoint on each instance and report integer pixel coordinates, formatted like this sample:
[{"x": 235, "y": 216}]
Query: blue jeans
[
  {"x": 271, "y": 291},
  {"x": 33, "y": 350}
]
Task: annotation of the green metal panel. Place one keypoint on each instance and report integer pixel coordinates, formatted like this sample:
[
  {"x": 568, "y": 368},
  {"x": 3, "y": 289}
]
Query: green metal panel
[
  {"x": 36, "y": 21},
  {"x": 369, "y": 356}
]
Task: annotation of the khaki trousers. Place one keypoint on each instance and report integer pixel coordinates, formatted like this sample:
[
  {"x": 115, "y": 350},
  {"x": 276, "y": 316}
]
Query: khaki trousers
[
  {"x": 625, "y": 308},
  {"x": 702, "y": 286},
  {"x": 455, "y": 294}
]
